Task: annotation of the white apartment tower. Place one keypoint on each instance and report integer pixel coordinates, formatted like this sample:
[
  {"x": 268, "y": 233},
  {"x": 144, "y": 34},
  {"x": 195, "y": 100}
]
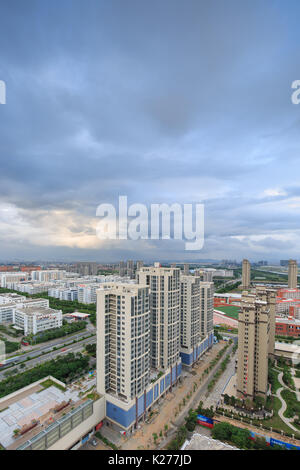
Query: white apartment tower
[
  {"x": 196, "y": 318},
  {"x": 190, "y": 321},
  {"x": 206, "y": 308},
  {"x": 164, "y": 284},
  {"x": 123, "y": 340}
]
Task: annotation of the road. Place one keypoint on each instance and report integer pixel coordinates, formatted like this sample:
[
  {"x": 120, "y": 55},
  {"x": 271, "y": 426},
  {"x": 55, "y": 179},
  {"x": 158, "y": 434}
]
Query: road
[
  {"x": 29, "y": 351},
  {"x": 47, "y": 356},
  {"x": 215, "y": 395}
]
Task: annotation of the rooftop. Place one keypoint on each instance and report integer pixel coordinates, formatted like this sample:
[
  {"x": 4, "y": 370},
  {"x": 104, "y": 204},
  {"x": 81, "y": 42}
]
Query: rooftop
[
  {"x": 38, "y": 310},
  {"x": 35, "y": 404},
  {"x": 201, "y": 442},
  {"x": 291, "y": 348}
]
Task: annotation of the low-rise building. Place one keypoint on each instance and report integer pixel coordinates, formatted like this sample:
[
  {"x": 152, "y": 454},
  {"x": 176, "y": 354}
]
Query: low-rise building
[
  {"x": 7, "y": 313},
  {"x": 54, "y": 418},
  {"x": 34, "y": 320},
  {"x": 287, "y": 326}
]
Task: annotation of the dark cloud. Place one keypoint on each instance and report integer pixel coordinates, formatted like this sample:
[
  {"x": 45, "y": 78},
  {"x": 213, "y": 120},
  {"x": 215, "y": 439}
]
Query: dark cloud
[{"x": 162, "y": 101}]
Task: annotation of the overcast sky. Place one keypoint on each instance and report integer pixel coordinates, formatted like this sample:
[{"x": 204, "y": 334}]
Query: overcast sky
[{"x": 162, "y": 101}]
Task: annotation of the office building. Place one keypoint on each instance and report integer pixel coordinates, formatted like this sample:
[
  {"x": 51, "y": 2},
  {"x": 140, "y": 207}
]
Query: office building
[{"x": 35, "y": 320}]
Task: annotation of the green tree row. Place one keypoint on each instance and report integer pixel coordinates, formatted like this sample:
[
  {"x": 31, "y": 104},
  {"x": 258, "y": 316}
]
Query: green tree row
[
  {"x": 66, "y": 329},
  {"x": 65, "y": 368}
]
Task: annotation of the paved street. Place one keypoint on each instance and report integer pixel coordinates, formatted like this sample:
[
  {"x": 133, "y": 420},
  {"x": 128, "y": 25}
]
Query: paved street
[
  {"x": 215, "y": 395},
  {"x": 76, "y": 347},
  {"x": 166, "y": 410}
]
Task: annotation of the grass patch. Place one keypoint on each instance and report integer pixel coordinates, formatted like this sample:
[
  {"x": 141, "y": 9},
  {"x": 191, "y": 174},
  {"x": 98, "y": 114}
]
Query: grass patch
[
  {"x": 106, "y": 441},
  {"x": 293, "y": 406},
  {"x": 230, "y": 311},
  {"x": 49, "y": 383}
]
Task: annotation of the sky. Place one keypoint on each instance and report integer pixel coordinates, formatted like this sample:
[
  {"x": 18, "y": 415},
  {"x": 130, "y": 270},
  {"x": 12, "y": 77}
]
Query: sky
[{"x": 164, "y": 102}]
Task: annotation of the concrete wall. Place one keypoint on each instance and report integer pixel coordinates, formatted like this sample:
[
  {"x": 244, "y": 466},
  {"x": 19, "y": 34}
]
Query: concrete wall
[{"x": 70, "y": 439}]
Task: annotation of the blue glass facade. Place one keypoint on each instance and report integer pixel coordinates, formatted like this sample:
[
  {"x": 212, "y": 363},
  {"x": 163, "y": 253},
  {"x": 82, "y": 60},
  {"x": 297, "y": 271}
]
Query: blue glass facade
[
  {"x": 127, "y": 418},
  {"x": 188, "y": 359}
]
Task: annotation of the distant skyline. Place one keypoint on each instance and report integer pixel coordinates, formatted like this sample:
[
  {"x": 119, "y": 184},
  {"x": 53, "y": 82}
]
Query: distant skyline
[{"x": 162, "y": 101}]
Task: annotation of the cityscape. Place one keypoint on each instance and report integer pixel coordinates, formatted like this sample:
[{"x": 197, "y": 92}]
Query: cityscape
[
  {"x": 149, "y": 236},
  {"x": 133, "y": 356}
]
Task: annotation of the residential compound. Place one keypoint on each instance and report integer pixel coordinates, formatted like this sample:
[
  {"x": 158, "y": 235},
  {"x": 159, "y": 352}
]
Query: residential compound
[
  {"x": 82, "y": 289},
  {"x": 139, "y": 353},
  {"x": 256, "y": 337}
]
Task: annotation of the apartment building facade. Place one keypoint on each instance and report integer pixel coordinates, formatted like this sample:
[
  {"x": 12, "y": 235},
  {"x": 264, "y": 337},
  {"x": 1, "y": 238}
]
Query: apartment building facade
[
  {"x": 253, "y": 347},
  {"x": 246, "y": 274},
  {"x": 123, "y": 327},
  {"x": 164, "y": 284},
  {"x": 196, "y": 318},
  {"x": 269, "y": 296},
  {"x": 124, "y": 374},
  {"x": 292, "y": 274}
]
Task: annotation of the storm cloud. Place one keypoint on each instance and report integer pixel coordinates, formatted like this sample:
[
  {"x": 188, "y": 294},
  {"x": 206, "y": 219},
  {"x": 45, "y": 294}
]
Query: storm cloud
[{"x": 161, "y": 101}]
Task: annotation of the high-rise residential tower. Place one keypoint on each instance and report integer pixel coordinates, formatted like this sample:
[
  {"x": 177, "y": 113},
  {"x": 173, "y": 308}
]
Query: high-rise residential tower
[
  {"x": 139, "y": 265},
  {"x": 130, "y": 268},
  {"x": 196, "y": 318},
  {"x": 269, "y": 296},
  {"x": 292, "y": 274},
  {"x": 124, "y": 374},
  {"x": 246, "y": 279},
  {"x": 206, "y": 308},
  {"x": 253, "y": 347},
  {"x": 186, "y": 269},
  {"x": 122, "y": 269},
  {"x": 164, "y": 286},
  {"x": 123, "y": 339}
]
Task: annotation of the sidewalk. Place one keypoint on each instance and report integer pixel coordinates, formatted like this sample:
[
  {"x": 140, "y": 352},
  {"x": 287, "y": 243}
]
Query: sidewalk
[{"x": 167, "y": 408}]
